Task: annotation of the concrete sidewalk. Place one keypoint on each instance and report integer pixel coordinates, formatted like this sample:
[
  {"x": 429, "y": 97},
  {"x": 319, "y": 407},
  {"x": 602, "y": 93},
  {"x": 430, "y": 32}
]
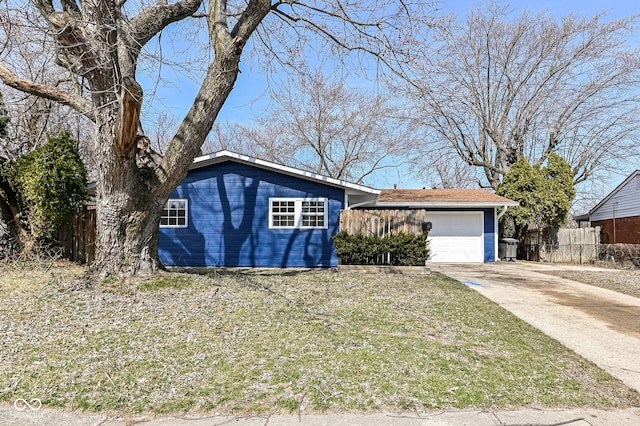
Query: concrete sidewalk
[
  {"x": 581, "y": 417},
  {"x": 601, "y": 325}
]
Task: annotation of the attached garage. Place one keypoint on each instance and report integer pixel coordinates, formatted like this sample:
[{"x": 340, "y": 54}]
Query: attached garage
[
  {"x": 463, "y": 222},
  {"x": 456, "y": 236}
]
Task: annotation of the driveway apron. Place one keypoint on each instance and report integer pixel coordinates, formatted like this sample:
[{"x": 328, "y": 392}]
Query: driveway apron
[{"x": 601, "y": 325}]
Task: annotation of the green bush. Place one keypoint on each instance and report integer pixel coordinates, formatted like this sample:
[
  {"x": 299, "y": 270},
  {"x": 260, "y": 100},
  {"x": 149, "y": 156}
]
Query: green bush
[
  {"x": 53, "y": 180},
  {"x": 399, "y": 249}
]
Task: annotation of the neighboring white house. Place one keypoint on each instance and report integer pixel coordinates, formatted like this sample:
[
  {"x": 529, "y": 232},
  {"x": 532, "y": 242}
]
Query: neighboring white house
[{"x": 619, "y": 213}]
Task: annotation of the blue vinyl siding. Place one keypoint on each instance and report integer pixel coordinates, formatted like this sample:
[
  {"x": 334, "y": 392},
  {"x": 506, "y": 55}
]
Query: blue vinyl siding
[
  {"x": 229, "y": 221},
  {"x": 489, "y": 235}
]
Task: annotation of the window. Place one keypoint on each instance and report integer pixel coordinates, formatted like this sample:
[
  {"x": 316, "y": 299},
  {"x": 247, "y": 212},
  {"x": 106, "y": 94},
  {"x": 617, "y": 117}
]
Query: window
[
  {"x": 313, "y": 214},
  {"x": 283, "y": 214},
  {"x": 298, "y": 213},
  {"x": 174, "y": 214}
]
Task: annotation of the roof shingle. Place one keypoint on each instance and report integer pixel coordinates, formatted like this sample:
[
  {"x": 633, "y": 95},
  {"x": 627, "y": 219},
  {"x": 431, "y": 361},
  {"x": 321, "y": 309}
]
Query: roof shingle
[{"x": 440, "y": 196}]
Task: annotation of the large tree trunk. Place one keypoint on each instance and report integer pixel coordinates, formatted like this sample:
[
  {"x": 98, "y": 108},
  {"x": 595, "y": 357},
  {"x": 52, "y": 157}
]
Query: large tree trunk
[
  {"x": 127, "y": 226},
  {"x": 127, "y": 201},
  {"x": 133, "y": 185}
]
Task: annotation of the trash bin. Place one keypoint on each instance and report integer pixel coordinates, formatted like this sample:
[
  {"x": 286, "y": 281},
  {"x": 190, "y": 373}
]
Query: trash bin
[{"x": 508, "y": 249}]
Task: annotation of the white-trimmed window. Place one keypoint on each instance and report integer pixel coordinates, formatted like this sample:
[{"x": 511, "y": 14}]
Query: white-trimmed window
[
  {"x": 298, "y": 213},
  {"x": 175, "y": 214}
]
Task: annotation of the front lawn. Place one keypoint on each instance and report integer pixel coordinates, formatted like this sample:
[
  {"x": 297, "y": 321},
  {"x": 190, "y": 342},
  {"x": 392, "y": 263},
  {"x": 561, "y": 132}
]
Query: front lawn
[{"x": 279, "y": 341}]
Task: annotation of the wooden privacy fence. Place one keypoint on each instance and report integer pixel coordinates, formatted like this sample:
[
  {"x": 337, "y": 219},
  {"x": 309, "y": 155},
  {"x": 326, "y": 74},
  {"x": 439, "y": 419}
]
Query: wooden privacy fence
[
  {"x": 78, "y": 237},
  {"x": 382, "y": 222},
  {"x": 572, "y": 245}
]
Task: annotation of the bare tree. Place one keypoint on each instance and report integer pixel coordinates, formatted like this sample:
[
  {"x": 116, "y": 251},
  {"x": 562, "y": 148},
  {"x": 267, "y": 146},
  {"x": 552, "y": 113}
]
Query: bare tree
[
  {"x": 497, "y": 87},
  {"x": 257, "y": 140},
  {"x": 162, "y": 132},
  {"x": 100, "y": 43},
  {"x": 320, "y": 124},
  {"x": 34, "y": 119},
  {"x": 442, "y": 168}
]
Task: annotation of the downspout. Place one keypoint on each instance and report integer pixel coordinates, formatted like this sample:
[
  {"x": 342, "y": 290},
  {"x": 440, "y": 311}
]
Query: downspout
[
  {"x": 615, "y": 204},
  {"x": 504, "y": 210},
  {"x": 498, "y": 216}
]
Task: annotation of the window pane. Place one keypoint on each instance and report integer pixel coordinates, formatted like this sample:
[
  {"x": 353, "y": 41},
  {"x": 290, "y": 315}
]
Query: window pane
[
  {"x": 313, "y": 214},
  {"x": 283, "y": 213},
  {"x": 174, "y": 213}
]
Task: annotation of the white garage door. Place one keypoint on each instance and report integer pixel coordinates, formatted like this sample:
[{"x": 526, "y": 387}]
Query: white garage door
[{"x": 456, "y": 236}]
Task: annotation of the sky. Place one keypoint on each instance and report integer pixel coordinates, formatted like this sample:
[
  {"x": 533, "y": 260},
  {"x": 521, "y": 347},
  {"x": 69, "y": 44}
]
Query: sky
[
  {"x": 247, "y": 97},
  {"x": 249, "y": 94}
]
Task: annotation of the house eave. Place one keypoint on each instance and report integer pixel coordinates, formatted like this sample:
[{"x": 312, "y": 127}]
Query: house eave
[
  {"x": 582, "y": 218},
  {"x": 614, "y": 192},
  {"x": 446, "y": 205},
  {"x": 221, "y": 156}
]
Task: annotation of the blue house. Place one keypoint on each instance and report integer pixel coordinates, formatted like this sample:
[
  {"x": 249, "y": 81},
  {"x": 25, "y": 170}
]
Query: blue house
[{"x": 234, "y": 210}]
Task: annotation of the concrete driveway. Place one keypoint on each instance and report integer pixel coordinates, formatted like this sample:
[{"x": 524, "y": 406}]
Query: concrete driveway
[{"x": 601, "y": 325}]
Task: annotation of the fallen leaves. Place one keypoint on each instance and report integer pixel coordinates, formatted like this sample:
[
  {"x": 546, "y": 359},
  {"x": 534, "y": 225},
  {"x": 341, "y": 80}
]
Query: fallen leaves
[{"x": 266, "y": 341}]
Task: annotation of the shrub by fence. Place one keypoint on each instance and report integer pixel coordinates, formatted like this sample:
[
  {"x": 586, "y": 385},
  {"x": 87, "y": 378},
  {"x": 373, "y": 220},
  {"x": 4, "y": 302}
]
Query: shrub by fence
[
  {"x": 625, "y": 255},
  {"x": 398, "y": 249}
]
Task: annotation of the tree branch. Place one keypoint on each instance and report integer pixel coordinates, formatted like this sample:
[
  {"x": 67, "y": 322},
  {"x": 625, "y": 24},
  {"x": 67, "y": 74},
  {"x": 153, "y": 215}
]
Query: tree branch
[
  {"x": 71, "y": 6},
  {"x": 78, "y": 103},
  {"x": 252, "y": 16},
  {"x": 150, "y": 21}
]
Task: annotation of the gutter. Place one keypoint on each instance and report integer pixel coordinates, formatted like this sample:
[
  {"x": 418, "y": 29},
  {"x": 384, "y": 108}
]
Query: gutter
[
  {"x": 504, "y": 210},
  {"x": 446, "y": 205},
  {"x": 364, "y": 203}
]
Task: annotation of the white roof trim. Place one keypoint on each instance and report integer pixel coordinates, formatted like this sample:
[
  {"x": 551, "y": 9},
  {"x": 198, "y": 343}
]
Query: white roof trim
[
  {"x": 614, "y": 192},
  {"x": 449, "y": 204},
  {"x": 220, "y": 156}
]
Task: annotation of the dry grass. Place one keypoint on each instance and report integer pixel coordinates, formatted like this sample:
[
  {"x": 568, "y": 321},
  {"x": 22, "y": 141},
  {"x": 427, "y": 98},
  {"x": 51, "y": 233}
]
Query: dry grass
[
  {"x": 279, "y": 341},
  {"x": 621, "y": 280}
]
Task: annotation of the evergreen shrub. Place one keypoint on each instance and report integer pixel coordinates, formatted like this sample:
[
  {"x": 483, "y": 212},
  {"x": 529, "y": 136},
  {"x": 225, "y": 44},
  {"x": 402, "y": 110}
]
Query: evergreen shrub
[{"x": 398, "y": 249}]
